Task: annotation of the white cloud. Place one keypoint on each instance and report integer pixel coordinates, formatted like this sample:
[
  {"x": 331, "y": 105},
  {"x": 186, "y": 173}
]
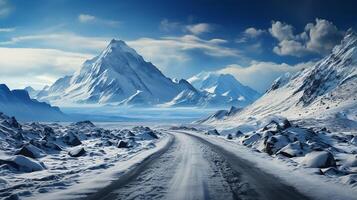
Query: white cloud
[
  {"x": 167, "y": 26},
  {"x": 281, "y": 31},
  {"x": 253, "y": 32},
  {"x": 84, "y": 18},
  {"x": 260, "y": 75},
  {"x": 37, "y": 67},
  {"x": 250, "y": 33},
  {"x": 5, "y": 8},
  {"x": 199, "y": 28},
  {"x": 323, "y": 35},
  {"x": 317, "y": 38},
  {"x": 91, "y": 19},
  {"x": 64, "y": 41},
  {"x": 168, "y": 51},
  {"x": 7, "y": 29}
]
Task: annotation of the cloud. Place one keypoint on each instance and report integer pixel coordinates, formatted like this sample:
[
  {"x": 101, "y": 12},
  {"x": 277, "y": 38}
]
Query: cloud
[
  {"x": 37, "y": 67},
  {"x": 84, "y": 18},
  {"x": 64, "y": 41},
  {"x": 281, "y": 31},
  {"x": 90, "y": 19},
  {"x": 253, "y": 32},
  {"x": 5, "y": 8},
  {"x": 167, "y": 51},
  {"x": 317, "y": 38},
  {"x": 167, "y": 26},
  {"x": 250, "y": 33},
  {"x": 200, "y": 28},
  {"x": 323, "y": 35},
  {"x": 7, "y": 29},
  {"x": 265, "y": 72}
]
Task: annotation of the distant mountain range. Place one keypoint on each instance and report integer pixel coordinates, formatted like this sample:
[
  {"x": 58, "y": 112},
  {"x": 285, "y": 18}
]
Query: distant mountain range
[
  {"x": 120, "y": 76},
  {"x": 18, "y": 103},
  {"x": 328, "y": 90}
]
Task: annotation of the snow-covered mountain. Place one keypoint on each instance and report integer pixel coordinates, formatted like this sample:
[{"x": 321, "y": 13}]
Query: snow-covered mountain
[
  {"x": 328, "y": 90},
  {"x": 118, "y": 75},
  {"x": 225, "y": 87},
  {"x": 18, "y": 103}
]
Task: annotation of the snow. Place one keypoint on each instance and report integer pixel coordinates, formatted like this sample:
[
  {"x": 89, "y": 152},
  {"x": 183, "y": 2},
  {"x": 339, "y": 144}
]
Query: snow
[
  {"x": 304, "y": 180},
  {"x": 120, "y": 76},
  {"x": 68, "y": 156}
]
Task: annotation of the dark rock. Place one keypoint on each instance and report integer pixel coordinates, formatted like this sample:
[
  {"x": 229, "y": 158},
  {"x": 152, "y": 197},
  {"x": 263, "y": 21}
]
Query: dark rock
[
  {"x": 122, "y": 144},
  {"x": 30, "y": 151},
  {"x": 229, "y": 136},
  {"x": 238, "y": 133},
  {"x": 76, "y": 152},
  {"x": 71, "y": 139},
  {"x": 212, "y": 132}
]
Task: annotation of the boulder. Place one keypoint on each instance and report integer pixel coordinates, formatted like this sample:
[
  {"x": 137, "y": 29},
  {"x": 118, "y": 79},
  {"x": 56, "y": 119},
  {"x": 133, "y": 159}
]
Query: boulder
[
  {"x": 212, "y": 132},
  {"x": 122, "y": 144},
  {"x": 85, "y": 123},
  {"x": 71, "y": 139},
  {"x": 292, "y": 150},
  {"x": 238, "y": 133},
  {"x": 76, "y": 152},
  {"x": 229, "y": 136},
  {"x": 319, "y": 159},
  {"x": 251, "y": 139},
  {"x": 23, "y": 163},
  {"x": 147, "y": 135},
  {"x": 30, "y": 151},
  {"x": 275, "y": 143}
]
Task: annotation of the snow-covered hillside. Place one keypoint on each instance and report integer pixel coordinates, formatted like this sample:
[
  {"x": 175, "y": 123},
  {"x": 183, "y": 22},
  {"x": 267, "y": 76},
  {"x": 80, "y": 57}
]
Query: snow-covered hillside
[
  {"x": 326, "y": 91},
  {"x": 224, "y": 86},
  {"x": 18, "y": 103}
]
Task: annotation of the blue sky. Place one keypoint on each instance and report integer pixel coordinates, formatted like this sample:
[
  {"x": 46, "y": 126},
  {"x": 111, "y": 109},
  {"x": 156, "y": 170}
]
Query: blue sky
[{"x": 41, "y": 40}]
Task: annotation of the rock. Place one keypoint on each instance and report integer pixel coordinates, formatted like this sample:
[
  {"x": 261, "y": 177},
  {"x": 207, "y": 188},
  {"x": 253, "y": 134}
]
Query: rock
[
  {"x": 354, "y": 140},
  {"x": 71, "y": 139},
  {"x": 12, "y": 197},
  {"x": 48, "y": 132},
  {"x": 76, "y": 152},
  {"x": 212, "y": 132},
  {"x": 122, "y": 144},
  {"x": 85, "y": 123},
  {"x": 147, "y": 135},
  {"x": 30, "y": 151},
  {"x": 251, "y": 139},
  {"x": 292, "y": 150},
  {"x": 23, "y": 163},
  {"x": 351, "y": 161},
  {"x": 238, "y": 133},
  {"x": 275, "y": 143},
  {"x": 13, "y": 123},
  {"x": 332, "y": 171},
  {"x": 319, "y": 159},
  {"x": 229, "y": 136}
]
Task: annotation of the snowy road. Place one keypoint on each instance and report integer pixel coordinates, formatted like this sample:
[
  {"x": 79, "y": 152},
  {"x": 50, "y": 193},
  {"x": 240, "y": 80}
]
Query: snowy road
[{"x": 193, "y": 168}]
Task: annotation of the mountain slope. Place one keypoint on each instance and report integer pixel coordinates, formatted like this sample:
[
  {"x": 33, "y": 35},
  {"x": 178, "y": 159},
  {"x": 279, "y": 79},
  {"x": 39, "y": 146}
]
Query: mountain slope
[
  {"x": 118, "y": 75},
  {"x": 225, "y": 87},
  {"x": 18, "y": 103},
  {"x": 328, "y": 90}
]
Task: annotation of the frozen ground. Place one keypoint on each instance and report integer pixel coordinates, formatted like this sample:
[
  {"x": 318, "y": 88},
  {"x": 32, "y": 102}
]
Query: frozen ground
[{"x": 37, "y": 160}]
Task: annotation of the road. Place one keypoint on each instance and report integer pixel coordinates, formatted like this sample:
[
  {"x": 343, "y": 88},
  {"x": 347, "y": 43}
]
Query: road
[{"x": 193, "y": 168}]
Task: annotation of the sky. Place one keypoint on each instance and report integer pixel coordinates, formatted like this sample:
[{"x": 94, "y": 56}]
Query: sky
[{"x": 256, "y": 41}]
